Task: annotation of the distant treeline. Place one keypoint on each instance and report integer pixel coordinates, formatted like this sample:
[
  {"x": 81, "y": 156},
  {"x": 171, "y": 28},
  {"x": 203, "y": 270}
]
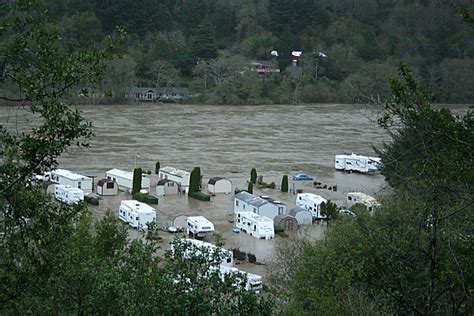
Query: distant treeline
[{"x": 207, "y": 46}]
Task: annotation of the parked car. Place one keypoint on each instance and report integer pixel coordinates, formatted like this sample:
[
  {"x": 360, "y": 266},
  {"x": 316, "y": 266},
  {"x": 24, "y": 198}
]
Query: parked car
[{"x": 302, "y": 176}]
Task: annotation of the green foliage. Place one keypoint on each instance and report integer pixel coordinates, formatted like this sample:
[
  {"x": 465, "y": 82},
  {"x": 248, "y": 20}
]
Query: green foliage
[
  {"x": 91, "y": 200},
  {"x": 195, "y": 180},
  {"x": 157, "y": 167},
  {"x": 284, "y": 183},
  {"x": 253, "y": 175},
  {"x": 250, "y": 187},
  {"x": 145, "y": 198},
  {"x": 329, "y": 210},
  {"x": 137, "y": 180},
  {"x": 200, "y": 196}
]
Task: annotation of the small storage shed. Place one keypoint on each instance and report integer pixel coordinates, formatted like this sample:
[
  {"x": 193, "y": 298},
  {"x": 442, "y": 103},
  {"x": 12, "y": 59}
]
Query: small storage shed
[
  {"x": 166, "y": 187},
  {"x": 219, "y": 185},
  {"x": 107, "y": 187},
  {"x": 303, "y": 216},
  {"x": 285, "y": 222}
]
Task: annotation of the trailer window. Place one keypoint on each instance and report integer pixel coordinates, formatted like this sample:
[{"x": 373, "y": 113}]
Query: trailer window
[
  {"x": 236, "y": 203},
  {"x": 110, "y": 185},
  {"x": 137, "y": 218},
  {"x": 349, "y": 198},
  {"x": 79, "y": 184},
  {"x": 229, "y": 260},
  {"x": 280, "y": 210}
]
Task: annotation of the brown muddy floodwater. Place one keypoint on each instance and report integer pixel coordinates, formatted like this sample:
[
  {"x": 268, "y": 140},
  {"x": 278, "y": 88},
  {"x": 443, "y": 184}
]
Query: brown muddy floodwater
[{"x": 224, "y": 141}]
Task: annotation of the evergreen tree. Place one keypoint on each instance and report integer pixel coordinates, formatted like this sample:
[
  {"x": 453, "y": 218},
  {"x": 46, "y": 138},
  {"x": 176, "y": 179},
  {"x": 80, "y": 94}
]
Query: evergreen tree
[
  {"x": 157, "y": 167},
  {"x": 284, "y": 183},
  {"x": 137, "y": 180},
  {"x": 250, "y": 187},
  {"x": 203, "y": 41},
  {"x": 253, "y": 175},
  {"x": 195, "y": 180}
]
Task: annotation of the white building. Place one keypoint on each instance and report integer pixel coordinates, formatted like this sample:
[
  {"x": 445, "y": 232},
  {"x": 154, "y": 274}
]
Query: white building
[
  {"x": 219, "y": 185},
  {"x": 358, "y": 197},
  {"x": 199, "y": 226},
  {"x": 353, "y": 162},
  {"x": 262, "y": 205},
  {"x": 166, "y": 187},
  {"x": 198, "y": 247},
  {"x": 302, "y": 215},
  {"x": 107, "y": 187},
  {"x": 76, "y": 180},
  {"x": 181, "y": 177},
  {"x": 255, "y": 225},
  {"x": 68, "y": 194},
  {"x": 136, "y": 214},
  {"x": 124, "y": 179},
  {"x": 311, "y": 202}
]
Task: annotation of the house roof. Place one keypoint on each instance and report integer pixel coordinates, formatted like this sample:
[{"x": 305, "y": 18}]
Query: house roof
[
  {"x": 255, "y": 216},
  {"x": 295, "y": 210},
  {"x": 141, "y": 89},
  {"x": 101, "y": 182},
  {"x": 250, "y": 199},
  {"x": 174, "y": 171},
  {"x": 318, "y": 199},
  {"x": 69, "y": 174},
  {"x": 120, "y": 173},
  {"x": 269, "y": 199},
  {"x": 277, "y": 219}
]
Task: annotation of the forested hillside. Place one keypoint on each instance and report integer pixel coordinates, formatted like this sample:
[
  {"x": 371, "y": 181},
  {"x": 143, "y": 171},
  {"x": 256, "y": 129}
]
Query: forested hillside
[{"x": 208, "y": 46}]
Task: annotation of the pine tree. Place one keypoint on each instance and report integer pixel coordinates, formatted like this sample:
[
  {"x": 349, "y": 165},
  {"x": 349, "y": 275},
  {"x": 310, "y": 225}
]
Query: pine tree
[
  {"x": 284, "y": 183},
  {"x": 253, "y": 175},
  {"x": 137, "y": 180}
]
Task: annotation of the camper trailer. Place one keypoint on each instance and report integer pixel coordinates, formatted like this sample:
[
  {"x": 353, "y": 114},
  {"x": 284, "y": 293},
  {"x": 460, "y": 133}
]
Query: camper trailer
[
  {"x": 199, "y": 227},
  {"x": 68, "y": 194},
  {"x": 124, "y": 179},
  {"x": 178, "y": 176},
  {"x": 198, "y": 246},
  {"x": 311, "y": 202},
  {"x": 358, "y": 163},
  {"x": 254, "y": 281},
  {"x": 361, "y": 198},
  {"x": 136, "y": 214},
  {"x": 75, "y": 180},
  {"x": 255, "y": 225}
]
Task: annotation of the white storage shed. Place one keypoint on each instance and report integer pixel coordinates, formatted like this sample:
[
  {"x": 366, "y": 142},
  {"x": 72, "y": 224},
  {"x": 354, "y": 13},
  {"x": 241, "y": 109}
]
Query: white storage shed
[
  {"x": 302, "y": 215},
  {"x": 106, "y": 187},
  {"x": 219, "y": 185},
  {"x": 166, "y": 187}
]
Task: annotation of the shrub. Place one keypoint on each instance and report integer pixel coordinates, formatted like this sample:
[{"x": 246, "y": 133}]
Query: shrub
[
  {"x": 157, "y": 167},
  {"x": 200, "y": 196},
  {"x": 237, "y": 190},
  {"x": 251, "y": 257},
  {"x": 137, "y": 180},
  {"x": 195, "y": 180},
  {"x": 91, "y": 200},
  {"x": 145, "y": 198},
  {"x": 238, "y": 254}
]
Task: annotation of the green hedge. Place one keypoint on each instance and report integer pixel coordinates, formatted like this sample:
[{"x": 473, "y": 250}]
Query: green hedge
[
  {"x": 200, "y": 196},
  {"x": 145, "y": 198},
  {"x": 91, "y": 200}
]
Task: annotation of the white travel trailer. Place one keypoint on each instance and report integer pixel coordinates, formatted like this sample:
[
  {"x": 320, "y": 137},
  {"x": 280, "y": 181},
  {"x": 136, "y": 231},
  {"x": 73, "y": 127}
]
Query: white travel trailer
[
  {"x": 353, "y": 162},
  {"x": 181, "y": 177},
  {"x": 136, "y": 214},
  {"x": 124, "y": 179},
  {"x": 361, "y": 198},
  {"x": 68, "y": 194},
  {"x": 197, "y": 247},
  {"x": 76, "y": 180},
  {"x": 254, "y": 281},
  {"x": 199, "y": 226},
  {"x": 255, "y": 225},
  {"x": 311, "y": 202}
]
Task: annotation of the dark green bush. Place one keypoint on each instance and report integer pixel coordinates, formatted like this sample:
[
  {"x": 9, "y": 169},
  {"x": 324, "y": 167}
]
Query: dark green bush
[
  {"x": 91, "y": 200},
  {"x": 200, "y": 196},
  {"x": 145, "y": 198}
]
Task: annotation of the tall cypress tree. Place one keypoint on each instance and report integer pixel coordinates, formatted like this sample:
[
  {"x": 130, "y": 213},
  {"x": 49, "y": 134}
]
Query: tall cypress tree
[
  {"x": 284, "y": 183},
  {"x": 137, "y": 180}
]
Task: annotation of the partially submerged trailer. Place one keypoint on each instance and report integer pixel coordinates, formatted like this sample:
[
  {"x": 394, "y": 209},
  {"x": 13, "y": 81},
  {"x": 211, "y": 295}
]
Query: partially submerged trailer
[
  {"x": 253, "y": 283},
  {"x": 311, "y": 202},
  {"x": 76, "y": 180},
  {"x": 68, "y": 194},
  {"x": 199, "y": 226},
  {"x": 362, "y": 198},
  {"x": 136, "y": 214},
  {"x": 255, "y": 225},
  {"x": 124, "y": 179},
  {"x": 199, "y": 247},
  {"x": 358, "y": 163}
]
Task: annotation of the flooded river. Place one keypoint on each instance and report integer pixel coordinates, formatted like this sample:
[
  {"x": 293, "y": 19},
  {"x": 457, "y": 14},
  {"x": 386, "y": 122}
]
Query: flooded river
[{"x": 225, "y": 141}]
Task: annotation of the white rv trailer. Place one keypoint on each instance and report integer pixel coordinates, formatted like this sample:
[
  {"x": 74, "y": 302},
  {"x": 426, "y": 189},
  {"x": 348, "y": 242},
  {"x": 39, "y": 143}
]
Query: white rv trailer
[
  {"x": 198, "y": 247},
  {"x": 125, "y": 179},
  {"x": 254, "y": 281},
  {"x": 361, "y": 198},
  {"x": 136, "y": 214},
  {"x": 199, "y": 226},
  {"x": 68, "y": 194},
  {"x": 255, "y": 225},
  {"x": 76, "y": 180},
  {"x": 311, "y": 202},
  {"x": 181, "y": 177},
  {"x": 353, "y": 162}
]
